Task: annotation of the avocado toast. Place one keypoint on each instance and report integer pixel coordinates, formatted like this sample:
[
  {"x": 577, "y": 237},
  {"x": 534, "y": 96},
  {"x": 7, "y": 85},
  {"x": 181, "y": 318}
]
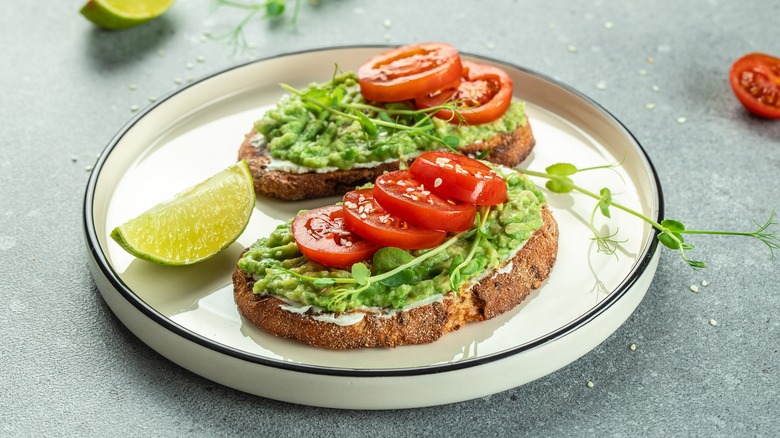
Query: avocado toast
[
  {"x": 474, "y": 275},
  {"x": 299, "y": 151}
]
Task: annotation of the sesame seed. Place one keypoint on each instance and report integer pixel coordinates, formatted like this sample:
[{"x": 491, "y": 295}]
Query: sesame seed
[
  {"x": 650, "y": 106},
  {"x": 425, "y": 193},
  {"x": 135, "y": 108},
  {"x": 713, "y": 322},
  {"x": 200, "y": 58},
  {"x": 649, "y": 60},
  {"x": 681, "y": 120},
  {"x": 132, "y": 87},
  {"x": 88, "y": 168},
  {"x": 704, "y": 283},
  {"x": 387, "y": 23},
  {"x": 609, "y": 25},
  {"x": 589, "y": 384},
  {"x": 642, "y": 72},
  {"x": 177, "y": 80},
  {"x": 437, "y": 182},
  {"x": 152, "y": 99},
  {"x": 694, "y": 288},
  {"x": 572, "y": 48},
  {"x": 601, "y": 85},
  {"x": 189, "y": 65},
  {"x": 632, "y": 347},
  {"x": 655, "y": 88}
]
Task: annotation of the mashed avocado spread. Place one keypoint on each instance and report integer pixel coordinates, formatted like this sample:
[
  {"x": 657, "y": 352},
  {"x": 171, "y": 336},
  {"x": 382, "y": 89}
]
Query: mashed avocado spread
[
  {"x": 304, "y": 134},
  {"x": 507, "y": 228}
]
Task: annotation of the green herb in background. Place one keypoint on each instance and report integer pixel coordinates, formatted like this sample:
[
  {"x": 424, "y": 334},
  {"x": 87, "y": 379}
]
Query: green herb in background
[
  {"x": 671, "y": 231},
  {"x": 268, "y": 9}
]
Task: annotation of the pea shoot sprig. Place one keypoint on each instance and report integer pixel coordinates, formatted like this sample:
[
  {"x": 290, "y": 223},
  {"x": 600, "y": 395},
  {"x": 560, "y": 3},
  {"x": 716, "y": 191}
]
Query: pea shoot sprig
[
  {"x": 395, "y": 117},
  {"x": 671, "y": 231},
  {"x": 395, "y": 267},
  {"x": 269, "y": 9},
  {"x": 402, "y": 273}
]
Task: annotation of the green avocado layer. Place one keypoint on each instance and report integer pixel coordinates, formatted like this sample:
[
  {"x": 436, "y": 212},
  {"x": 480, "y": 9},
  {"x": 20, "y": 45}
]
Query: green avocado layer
[
  {"x": 314, "y": 138},
  {"x": 508, "y": 226}
]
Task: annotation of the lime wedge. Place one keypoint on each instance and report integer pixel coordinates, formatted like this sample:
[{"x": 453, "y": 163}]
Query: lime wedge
[
  {"x": 121, "y": 14},
  {"x": 195, "y": 224}
]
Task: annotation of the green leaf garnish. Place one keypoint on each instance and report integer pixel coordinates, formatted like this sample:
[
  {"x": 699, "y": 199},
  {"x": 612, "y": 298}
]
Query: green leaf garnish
[
  {"x": 560, "y": 184},
  {"x": 360, "y": 273},
  {"x": 561, "y": 169},
  {"x": 605, "y": 201}
]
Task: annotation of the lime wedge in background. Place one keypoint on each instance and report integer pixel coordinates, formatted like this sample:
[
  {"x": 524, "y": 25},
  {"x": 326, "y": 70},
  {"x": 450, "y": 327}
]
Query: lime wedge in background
[
  {"x": 195, "y": 224},
  {"x": 121, "y": 14}
]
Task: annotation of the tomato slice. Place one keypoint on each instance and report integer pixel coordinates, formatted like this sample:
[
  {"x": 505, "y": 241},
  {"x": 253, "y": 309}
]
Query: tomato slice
[
  {"x": 755, "y": 79},
  {"x": 401, "y": 194},
  {"x": 460, "y": 177},
  {"x": 322, "y": 236},
  {"x": 367, "y": 218},
  {"x": 409, "y": 71},
  {"x": 483, "y": 96}
]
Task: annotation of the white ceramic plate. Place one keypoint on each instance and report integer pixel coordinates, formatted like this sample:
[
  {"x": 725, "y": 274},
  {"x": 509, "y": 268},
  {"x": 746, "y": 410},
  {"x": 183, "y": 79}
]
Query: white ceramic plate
[{"x": 187, "y": 314}]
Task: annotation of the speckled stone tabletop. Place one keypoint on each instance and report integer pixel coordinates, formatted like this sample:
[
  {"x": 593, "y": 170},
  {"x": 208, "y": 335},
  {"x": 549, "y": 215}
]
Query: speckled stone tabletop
[{"x": 705, "y": 363}]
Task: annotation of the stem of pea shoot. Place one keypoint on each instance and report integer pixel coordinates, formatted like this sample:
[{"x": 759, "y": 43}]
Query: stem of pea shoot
[{"x": 671, "y": 231}]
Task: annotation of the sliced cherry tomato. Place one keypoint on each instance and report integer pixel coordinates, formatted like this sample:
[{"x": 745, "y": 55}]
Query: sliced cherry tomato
[
  {"x": 403, "y": 195},
  {"x": 460, "y": 177},
  {"x": 483, "y": 96},
  {"x": 322, "y": 236},
  {"x": 755, "y": 79},
  {"x": 409, "y": 71},
  {"x": 367, "y": 218}
]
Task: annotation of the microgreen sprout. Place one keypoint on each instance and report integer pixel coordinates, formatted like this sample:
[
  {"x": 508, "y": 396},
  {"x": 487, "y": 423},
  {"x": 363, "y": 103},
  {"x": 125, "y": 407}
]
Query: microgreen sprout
[
  {"x": 362, "y": 278},
  {"x": 457, "y": 264},
  {"x": 372, "y": 117},
  {"x": 670, "y": 231},
  {"x": 271, "y": 9}
]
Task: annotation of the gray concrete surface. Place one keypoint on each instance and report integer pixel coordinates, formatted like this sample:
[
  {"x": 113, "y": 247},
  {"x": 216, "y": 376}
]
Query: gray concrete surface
[{"x": 68, "y": 367}]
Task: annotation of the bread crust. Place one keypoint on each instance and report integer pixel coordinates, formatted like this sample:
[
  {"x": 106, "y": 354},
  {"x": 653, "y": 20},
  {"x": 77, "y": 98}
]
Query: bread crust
[
  {"x": 490, "y": 297},
  {"x": 508, "y": 149}
]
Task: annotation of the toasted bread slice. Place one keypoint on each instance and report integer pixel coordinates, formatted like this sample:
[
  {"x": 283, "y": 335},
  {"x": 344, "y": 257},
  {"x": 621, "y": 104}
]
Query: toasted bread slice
[
  {"x": 495, "y": 293},
  {"x": 508, "y": 149}
]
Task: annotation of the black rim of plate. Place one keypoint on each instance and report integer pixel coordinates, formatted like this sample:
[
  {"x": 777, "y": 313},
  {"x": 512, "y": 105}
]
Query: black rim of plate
[{"x": 103, "y": 264}]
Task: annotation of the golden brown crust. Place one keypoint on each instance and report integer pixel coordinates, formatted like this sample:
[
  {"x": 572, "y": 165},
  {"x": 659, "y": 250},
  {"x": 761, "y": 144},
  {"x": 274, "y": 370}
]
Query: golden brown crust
[
  {"x": 490, "y": 297},
  {"x": 508, "y": 149}
]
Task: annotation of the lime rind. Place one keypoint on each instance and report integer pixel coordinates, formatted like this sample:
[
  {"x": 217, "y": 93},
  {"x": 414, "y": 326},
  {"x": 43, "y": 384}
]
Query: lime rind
[
  {"x": 106, "y": 14},
  {"x": 194, "y": 225}
]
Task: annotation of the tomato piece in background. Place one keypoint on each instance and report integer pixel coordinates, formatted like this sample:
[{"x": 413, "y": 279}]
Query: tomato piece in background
[
  {"x": 483, "y": 96},
  {"x": 367, "y": 218},
  {"x": 460, "y": 177},
  {"x": 322, "y": 236},
  {"x": 401, "y": 194},
  {"x": 409, "y": 71},
  {"x": 755, "y": 79}
]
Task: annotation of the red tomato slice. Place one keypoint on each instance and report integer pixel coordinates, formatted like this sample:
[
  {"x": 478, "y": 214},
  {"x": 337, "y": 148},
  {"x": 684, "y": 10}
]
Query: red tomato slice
[
  {"x": 321, "y": 235},
  {"x": 409, "y": 71},
  {"x": 755, "y": 79},
  {"x": 367, "y": 218},
  {"x": 483, "y": 96},
  {"x": 409, "y": 199},
  {"x": 460, "y": 177}
]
